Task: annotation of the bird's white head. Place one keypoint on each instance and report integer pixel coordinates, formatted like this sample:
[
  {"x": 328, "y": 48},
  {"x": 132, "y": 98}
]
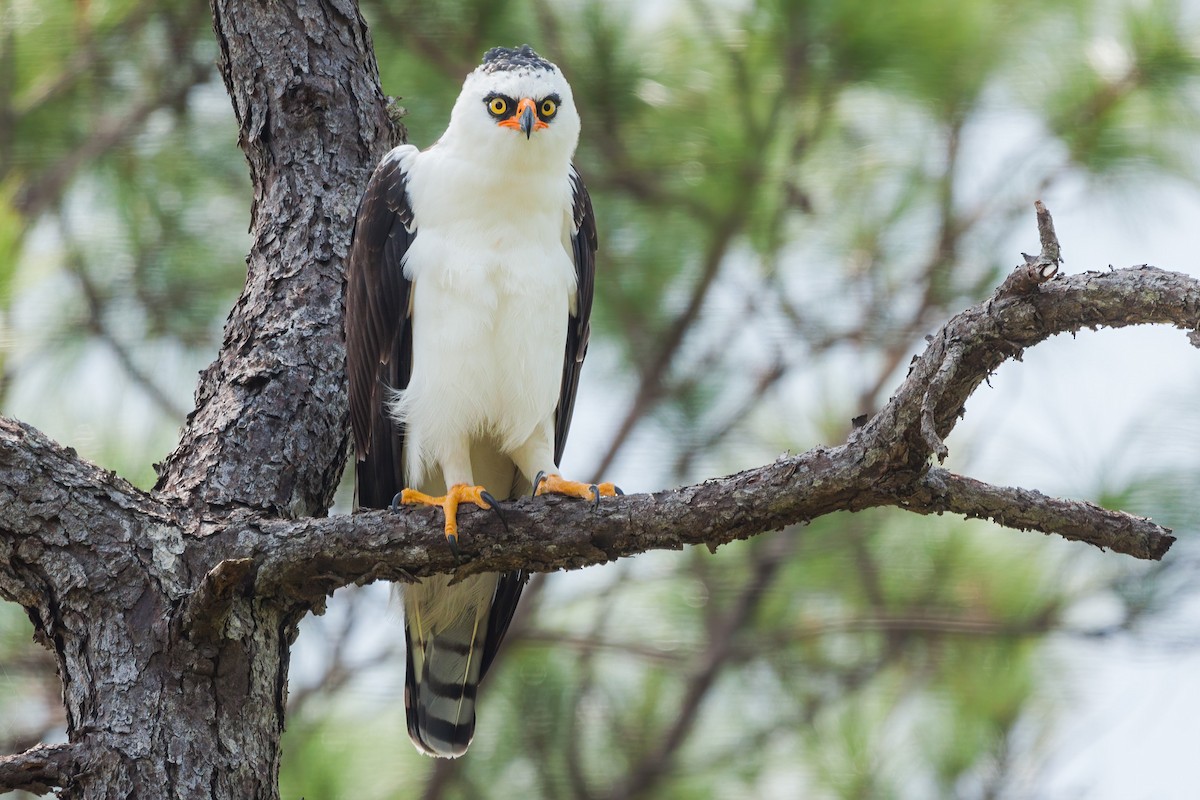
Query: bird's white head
[{"x": 516, "y": 106}]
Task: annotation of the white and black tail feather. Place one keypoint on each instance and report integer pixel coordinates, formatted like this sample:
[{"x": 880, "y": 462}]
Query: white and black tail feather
[{"x": 444, "y": 670}]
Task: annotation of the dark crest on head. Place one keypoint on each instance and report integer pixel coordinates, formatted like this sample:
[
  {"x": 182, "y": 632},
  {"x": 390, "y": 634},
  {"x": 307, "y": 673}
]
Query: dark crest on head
[{"x": 503, "y": 58}]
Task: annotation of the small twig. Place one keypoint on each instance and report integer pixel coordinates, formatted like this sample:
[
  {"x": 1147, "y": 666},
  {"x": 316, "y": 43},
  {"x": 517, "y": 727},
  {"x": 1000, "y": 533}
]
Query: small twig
[
  {"x": 1037, "y": 269},
  {"x": 1051, "y": 252}
]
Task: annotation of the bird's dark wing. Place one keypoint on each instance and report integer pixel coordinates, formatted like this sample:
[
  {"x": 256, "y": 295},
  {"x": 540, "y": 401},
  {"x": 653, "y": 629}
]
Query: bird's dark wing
[
  {"x": 378, "y": 331},
  {"x": 583, "y": 245}
]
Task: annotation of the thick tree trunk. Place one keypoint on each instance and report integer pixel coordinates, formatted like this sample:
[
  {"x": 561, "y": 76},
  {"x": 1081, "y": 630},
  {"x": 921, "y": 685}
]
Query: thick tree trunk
[
  {"x": 169, "y": 692},
  {"x": 270, "y": 427},
  {"x": 165, "y": 716},
  {"x": 174, "y": 697}
]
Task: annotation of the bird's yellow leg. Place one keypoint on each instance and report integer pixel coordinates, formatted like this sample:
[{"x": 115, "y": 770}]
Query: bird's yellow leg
[
  {"x": 557, "y": 484},
  {"x": 449, "y": 502}
]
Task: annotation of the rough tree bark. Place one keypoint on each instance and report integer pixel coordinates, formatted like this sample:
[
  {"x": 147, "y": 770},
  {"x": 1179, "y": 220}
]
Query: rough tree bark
[
  {"x": 161, "y": 703},
  {"x": 171, "y": 613}
]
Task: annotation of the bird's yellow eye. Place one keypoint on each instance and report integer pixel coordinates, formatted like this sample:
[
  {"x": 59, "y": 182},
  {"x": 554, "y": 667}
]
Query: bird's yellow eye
[
  {"x": 549, "y": 108},
  {"x": 498, "y": 105}
]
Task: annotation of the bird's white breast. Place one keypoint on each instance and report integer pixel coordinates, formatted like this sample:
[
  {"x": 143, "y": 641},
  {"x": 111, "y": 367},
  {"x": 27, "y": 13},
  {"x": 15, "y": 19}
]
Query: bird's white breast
[{"x": 492, "y": 287}]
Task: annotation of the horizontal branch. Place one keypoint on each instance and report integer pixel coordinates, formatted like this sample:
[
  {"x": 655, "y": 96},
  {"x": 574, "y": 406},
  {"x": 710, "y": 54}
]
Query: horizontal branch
[
  {"x": 308, "y": 559},
  {"x": 883, "y": 463},
  {"x": 47, "y": 492},
  {"x": 39, "y": 769}
]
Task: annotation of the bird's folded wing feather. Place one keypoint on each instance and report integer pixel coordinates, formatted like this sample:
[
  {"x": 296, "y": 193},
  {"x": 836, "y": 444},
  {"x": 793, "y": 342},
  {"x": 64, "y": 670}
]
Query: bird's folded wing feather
[
  {"x": 583, "y": 245},
  {"x": 378, "y": 333}
]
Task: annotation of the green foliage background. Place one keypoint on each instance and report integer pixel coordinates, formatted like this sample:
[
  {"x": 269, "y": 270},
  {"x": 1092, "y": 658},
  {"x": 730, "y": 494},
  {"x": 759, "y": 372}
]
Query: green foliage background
[{"x": 791, "y": 195}]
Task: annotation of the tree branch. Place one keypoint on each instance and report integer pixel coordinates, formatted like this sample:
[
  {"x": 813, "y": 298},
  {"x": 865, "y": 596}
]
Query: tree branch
[
  {"x": 50, "y": 500},
  {"x": 1040, "y": 268},
  {"x": 308, "y": 559},
  {"x": 1027, "y": 509},
  {"x": 39, "y": 769},
  {"x": 885, "y": 462}
]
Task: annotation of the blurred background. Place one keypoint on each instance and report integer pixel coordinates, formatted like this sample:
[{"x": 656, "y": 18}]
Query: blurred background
[{"x": 791, "y": 195}]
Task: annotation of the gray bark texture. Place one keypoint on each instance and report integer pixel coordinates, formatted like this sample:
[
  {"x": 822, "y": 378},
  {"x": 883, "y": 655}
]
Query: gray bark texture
[{"x": 171, "y": 613}]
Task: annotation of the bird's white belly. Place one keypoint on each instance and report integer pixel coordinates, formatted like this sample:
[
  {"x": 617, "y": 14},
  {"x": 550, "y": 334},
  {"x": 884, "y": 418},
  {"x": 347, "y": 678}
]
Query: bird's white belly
[{"x": 488, "y": 347}]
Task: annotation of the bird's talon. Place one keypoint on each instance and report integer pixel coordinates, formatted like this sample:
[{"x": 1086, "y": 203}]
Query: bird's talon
[
  {"x": 495, "y": 506},
  {"x": 617, "y": 490},
  {"x": 537, "y": 481},
  {"x": 395, "y": 505},
  {"x": 455, "y": 495},
  {"x": 595, "y": 496}
]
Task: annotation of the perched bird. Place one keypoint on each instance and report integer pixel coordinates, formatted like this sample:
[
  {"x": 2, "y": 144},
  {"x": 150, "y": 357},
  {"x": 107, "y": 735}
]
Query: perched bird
[{"x": 469, "y": 288}]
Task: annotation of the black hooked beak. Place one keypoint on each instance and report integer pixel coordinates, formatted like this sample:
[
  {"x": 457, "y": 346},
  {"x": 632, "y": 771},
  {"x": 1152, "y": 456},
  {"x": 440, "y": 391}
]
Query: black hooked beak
[{"x": 527, "y": 119}]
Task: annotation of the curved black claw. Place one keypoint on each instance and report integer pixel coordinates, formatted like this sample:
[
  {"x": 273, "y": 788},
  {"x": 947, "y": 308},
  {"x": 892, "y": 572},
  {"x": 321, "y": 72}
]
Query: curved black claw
[
  {"x": 595, "y": 495},
  {"x": 452, "y": 541},
  {"x": 617, "y": 489},
  {"x": 395, "y": 506},
  {"x": 491, "y": 501},
  {"x": 537, "y": 481}
]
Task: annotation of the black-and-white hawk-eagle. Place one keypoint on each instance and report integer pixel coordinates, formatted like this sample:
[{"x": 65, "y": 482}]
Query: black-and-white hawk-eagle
[{"x": 469, "y": 288}]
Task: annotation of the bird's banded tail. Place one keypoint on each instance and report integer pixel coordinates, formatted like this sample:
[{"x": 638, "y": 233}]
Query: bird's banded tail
[
  {"x": 440, "y": 689},
  {"x": 452, "y": 633}
]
